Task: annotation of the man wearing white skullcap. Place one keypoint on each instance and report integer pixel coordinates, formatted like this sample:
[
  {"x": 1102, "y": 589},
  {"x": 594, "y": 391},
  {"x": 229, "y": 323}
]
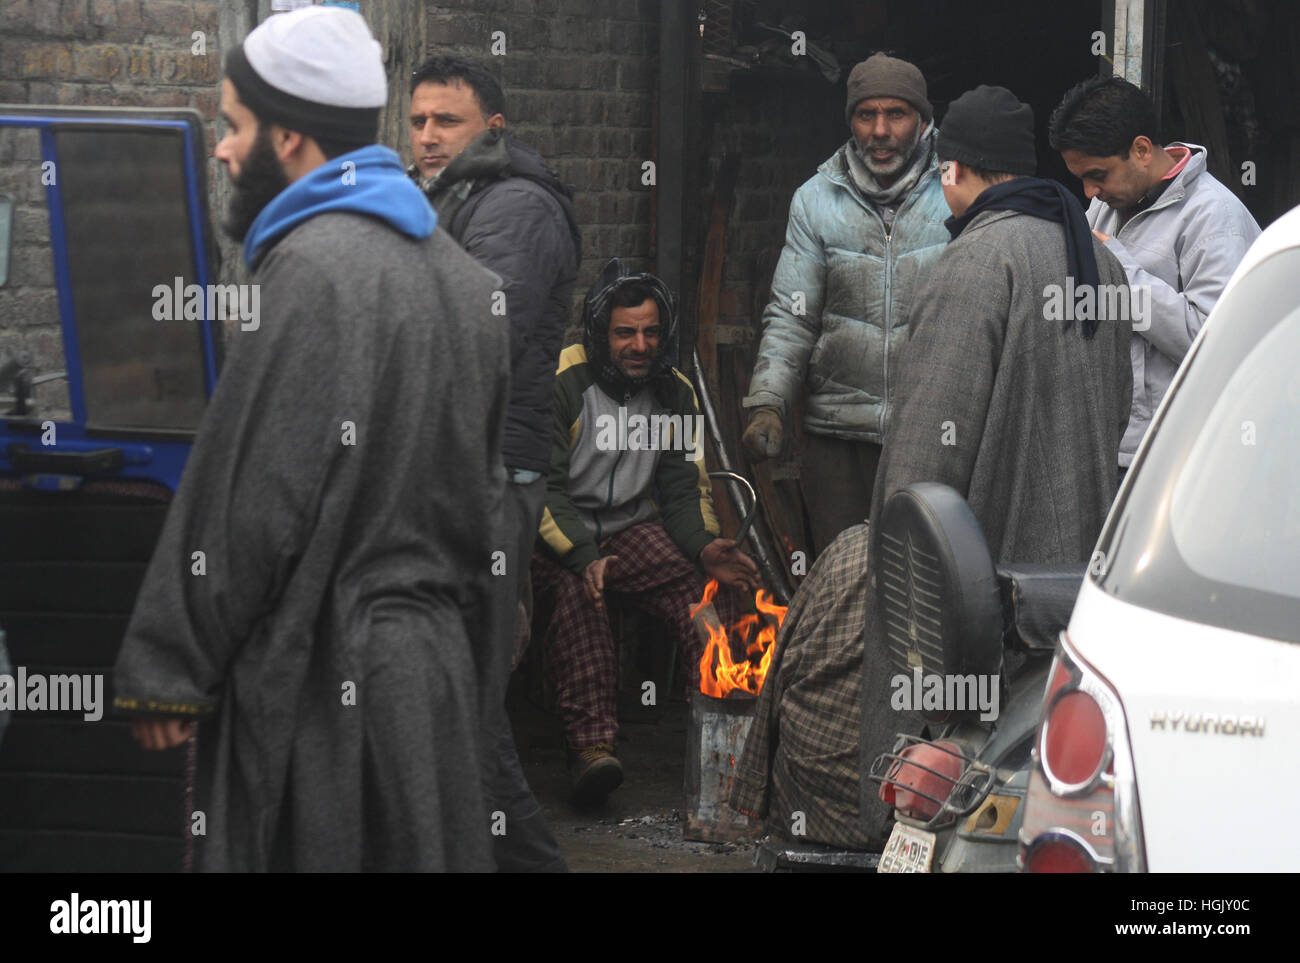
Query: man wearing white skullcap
[{"x": 344, "y": 490}]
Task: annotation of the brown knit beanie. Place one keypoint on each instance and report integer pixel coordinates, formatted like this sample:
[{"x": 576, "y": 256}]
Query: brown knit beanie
[{"x": 881, "y": 75}]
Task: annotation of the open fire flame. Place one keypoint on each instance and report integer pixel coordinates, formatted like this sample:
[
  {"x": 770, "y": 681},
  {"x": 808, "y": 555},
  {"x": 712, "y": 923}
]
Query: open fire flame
[{"x": 755, "y": 633}]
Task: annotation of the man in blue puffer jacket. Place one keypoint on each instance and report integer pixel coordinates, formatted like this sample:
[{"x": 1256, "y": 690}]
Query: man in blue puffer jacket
[{"x": 863, "y": 232}]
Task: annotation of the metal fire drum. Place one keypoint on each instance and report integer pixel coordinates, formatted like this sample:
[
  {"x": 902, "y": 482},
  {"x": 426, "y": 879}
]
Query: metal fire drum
[{"x": 717, "y": 736}]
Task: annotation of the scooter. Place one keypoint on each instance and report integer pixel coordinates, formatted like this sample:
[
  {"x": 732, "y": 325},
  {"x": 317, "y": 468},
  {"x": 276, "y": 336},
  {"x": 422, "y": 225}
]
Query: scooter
[{"x": 951, "y": 615}]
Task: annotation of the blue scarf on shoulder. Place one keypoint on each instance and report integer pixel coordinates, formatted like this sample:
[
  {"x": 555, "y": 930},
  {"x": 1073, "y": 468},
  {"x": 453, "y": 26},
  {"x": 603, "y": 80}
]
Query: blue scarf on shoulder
[{"x": 370, "y": 180}]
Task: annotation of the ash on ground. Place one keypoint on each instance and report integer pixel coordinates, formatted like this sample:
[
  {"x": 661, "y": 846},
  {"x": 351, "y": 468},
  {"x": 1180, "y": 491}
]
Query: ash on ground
[{"x": 639, "y": 828}]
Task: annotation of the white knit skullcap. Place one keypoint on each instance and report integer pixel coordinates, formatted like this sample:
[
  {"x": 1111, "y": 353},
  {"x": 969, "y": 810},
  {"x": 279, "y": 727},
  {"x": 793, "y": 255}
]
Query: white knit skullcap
[
  {"x": 322, "y": 54},
  {"x": 317, "y": 70}
]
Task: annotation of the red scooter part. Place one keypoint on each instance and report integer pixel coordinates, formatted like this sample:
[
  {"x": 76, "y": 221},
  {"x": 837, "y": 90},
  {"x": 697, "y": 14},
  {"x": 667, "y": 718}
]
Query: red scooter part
[{"x": 925, "y": 770}]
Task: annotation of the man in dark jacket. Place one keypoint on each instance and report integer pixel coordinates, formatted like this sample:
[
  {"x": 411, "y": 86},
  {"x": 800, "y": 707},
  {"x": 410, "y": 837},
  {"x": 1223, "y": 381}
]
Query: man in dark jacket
[
  {"x": 1015, "y": 384},
  {"x": 1008, "y": 392},
  {"x": 511, "y": 213},
  {"x": 318, "y": 594}
]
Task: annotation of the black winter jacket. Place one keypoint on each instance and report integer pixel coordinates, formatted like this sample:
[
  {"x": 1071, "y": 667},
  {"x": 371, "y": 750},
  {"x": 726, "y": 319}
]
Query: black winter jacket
[{"x": 517, "y": 220}]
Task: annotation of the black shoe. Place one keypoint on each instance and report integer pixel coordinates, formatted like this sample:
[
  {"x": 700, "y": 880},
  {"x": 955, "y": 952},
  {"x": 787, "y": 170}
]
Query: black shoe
[{"x": 595, "y": 773}]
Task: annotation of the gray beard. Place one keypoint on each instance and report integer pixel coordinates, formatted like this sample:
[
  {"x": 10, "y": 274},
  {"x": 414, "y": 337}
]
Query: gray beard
[
  {"x": 909, "y": 173},
  {"x": 897, "y": 166}
]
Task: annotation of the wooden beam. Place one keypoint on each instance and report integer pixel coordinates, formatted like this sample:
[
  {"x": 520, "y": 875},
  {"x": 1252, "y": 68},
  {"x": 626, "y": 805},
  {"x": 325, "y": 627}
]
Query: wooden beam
[{"x": 715, "y": 253}]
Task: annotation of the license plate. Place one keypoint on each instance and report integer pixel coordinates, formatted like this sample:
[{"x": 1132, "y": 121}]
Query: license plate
[{"x": 909, "y": 850}]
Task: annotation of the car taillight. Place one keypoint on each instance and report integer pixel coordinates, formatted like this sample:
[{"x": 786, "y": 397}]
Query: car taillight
[
  {"x": 1081, "y": 808},
  {"x": 1074, "y": 738},
  {"x": 1057, "y": 855}
]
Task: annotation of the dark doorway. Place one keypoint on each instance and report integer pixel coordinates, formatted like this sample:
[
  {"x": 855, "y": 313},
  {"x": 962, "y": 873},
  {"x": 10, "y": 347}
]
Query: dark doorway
[
  {"x": 1229, "y": 84},
  {"x": 772, "y": 113}
]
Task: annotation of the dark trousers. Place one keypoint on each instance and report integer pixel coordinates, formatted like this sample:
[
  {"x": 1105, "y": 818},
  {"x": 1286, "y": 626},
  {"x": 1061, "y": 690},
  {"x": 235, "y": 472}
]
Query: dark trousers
[
  {"x": 836, "y": 479},
  {"x": 653, "y": 576},
  {"x": 527, "y": 844}
]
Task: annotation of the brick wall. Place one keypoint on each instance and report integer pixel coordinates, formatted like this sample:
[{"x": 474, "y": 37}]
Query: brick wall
[
  {"x": 579, "y": 76},
  {"x": 110, "y": 53},
  {"x": 132, "y": 53},
  {"x": 29, "y": 310},
  {"x": 580, "y": 83}
]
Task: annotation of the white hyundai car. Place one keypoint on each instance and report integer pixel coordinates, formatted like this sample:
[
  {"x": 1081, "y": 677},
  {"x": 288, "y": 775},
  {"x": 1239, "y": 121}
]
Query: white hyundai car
[{"x": 1172, "y": 708}]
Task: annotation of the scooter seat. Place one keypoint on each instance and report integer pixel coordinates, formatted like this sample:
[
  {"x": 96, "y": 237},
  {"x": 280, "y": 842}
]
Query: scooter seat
[{"x": 1037, "y": 601}]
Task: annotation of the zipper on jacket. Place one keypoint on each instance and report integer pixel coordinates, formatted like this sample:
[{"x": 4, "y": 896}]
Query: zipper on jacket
[
  {"x": 889, "y": 287},
  {"x": 916, "y": 192},
  {"x": 609, "y": 496},
  {"x": 889, "y": 293},
  {"x": 1164, "y": 201},
  {"x": 888, "y": 319},
  {"x": 609, "y": 493}
]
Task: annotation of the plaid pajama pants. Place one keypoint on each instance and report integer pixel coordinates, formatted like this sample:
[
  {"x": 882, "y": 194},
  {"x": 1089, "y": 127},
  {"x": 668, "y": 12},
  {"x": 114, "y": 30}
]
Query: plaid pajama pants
[{"x": 651, "y": 575}]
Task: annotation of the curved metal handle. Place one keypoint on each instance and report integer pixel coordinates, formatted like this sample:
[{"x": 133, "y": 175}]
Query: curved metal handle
[{"x": 753, "y": 501}]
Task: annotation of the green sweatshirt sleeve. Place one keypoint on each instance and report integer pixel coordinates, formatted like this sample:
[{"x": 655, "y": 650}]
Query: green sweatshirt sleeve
[
  {"x": 683, "y": 480},
  {"x": 561, "y": 529}
]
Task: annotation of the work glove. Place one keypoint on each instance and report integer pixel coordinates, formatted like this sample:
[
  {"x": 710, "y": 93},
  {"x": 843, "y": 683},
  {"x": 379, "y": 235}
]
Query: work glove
[{"x": 765, "y": 436}]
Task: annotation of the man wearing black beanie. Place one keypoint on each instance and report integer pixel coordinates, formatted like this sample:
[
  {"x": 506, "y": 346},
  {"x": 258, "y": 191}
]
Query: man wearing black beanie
[{"x": 1015, "y": 383}]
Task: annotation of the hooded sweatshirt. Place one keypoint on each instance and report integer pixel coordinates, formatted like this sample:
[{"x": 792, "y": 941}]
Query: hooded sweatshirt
[
  {"x": 617, "y": 442},
  {"x": 364, "y": 181}
]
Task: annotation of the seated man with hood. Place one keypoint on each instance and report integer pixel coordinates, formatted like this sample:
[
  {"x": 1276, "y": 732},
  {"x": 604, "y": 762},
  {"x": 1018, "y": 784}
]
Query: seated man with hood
[{"x": 628, "y": 510}]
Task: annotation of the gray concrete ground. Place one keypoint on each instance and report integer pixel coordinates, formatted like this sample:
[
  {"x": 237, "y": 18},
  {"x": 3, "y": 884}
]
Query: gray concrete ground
[{"x": 639, "y": 829}]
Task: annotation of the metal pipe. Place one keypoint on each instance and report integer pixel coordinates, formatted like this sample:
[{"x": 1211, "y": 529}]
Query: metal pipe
[
  {"x": 748, "y": 521},
  {"x": 773, "y": 573}
]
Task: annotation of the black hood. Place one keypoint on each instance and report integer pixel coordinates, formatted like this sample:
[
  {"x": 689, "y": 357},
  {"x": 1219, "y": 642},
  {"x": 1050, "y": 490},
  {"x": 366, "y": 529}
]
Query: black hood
[
  {"x": 493, "y": 155},
  {"x": 527, "y": 163},
  {"x": 596, "y": 310}
]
